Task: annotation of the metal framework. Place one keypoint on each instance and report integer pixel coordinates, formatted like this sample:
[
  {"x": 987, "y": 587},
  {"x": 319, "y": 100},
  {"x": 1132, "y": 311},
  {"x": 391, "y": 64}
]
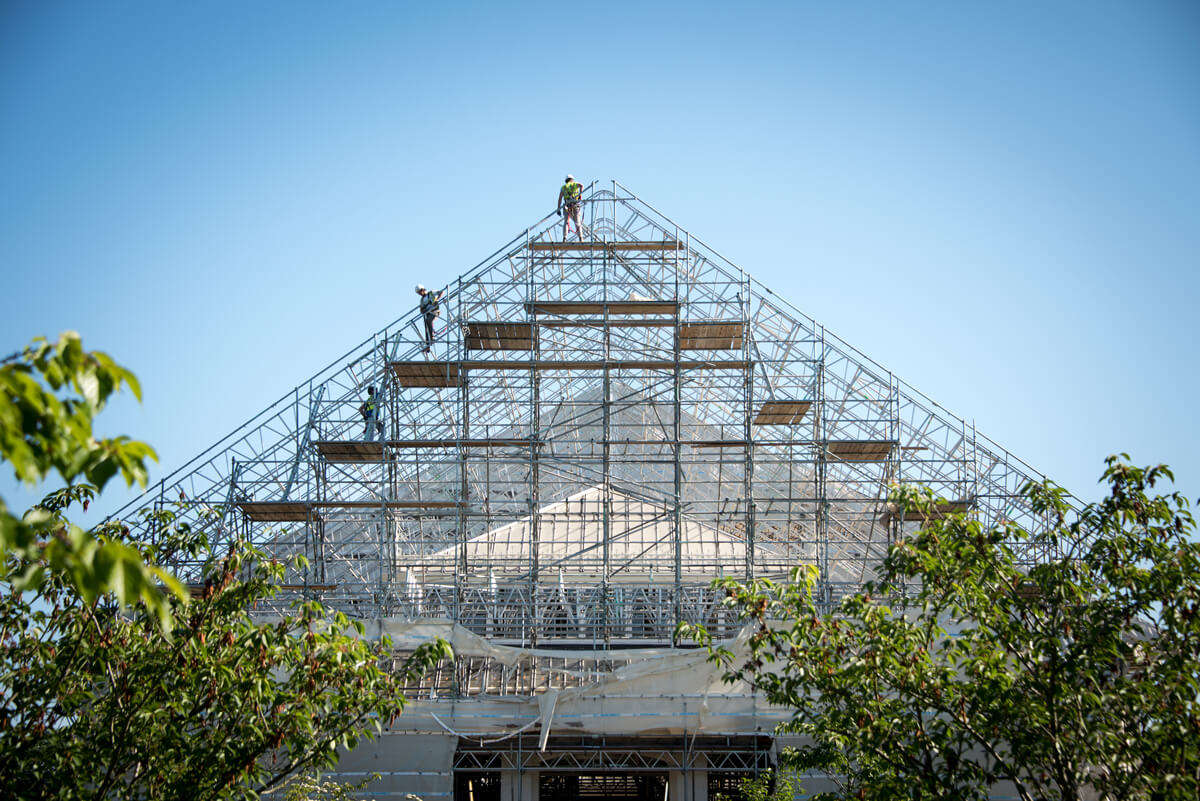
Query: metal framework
[
  {"x": 602, "y": 428},
  {"x": 748, "y": 754}
]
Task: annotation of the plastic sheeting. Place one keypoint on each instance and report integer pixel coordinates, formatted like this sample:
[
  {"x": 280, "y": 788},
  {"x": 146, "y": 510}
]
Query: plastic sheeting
[
  {"x": 571, "y": 532},
  {"x": 660, "y": 691},
  {"x": 420, "y": 764},
  {"x": 408, "y": 634}
]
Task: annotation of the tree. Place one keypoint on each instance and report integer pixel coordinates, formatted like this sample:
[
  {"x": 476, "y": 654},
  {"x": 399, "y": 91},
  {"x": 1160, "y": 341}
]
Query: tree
[
  {"x": 49, "y": 398},
  {"x": 309, "y": 786},
  {"x": 116, "y": 683},
  {"x": 961, "y": 670},
  {"x": 775, "y": 785}
]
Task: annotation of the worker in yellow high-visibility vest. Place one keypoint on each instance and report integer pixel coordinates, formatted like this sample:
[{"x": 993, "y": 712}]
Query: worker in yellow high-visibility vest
[
  {"x": 568, "y": 201},
  {"x": 370, "y": 414}
]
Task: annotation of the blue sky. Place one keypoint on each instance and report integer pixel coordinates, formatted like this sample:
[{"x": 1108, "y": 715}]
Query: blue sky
[{"x": 998, "y": 202}]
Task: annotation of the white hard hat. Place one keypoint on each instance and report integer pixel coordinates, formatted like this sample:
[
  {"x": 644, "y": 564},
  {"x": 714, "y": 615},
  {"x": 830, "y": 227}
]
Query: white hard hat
[
  {"x": 570, "y": 177},
  {"x": 420, "y": 287}
]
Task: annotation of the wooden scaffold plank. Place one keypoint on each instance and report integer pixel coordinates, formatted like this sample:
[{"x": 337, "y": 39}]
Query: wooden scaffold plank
[
  {"x": 600, "y": 322},
  {"x": 781, "y": 412},
  {"x": 450, "y": 442},
  {"x": 860, "y": 450},
  {"x": 276, "y": 511},
  {"x": 616, "y": 364},
  {"x": 411, "y": 504},
  {"x": 939, "y": 511},
  {"x": 350, "y": 450},
  {"x": 710, "y": 336},
  {"x": 499, "y": 336},
  {"x": 301, "y": 511},
  {"x": 564, "y": 307},
  {"x": 650, "y": 245},
  {"x": 426, "y": 374}
]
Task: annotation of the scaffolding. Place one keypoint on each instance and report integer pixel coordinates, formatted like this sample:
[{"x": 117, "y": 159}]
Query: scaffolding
[{"x": 602, "y": 428}]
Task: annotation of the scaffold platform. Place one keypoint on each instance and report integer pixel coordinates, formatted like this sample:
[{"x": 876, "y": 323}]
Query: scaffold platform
[
  {"x": 710, "y": 336},
  {"x": 426, "y": 373},
  {"x": 350, "y": 451},
  {"x": 499, "y": 336},
  {"x": 299, "y": 511},
  {"x": 563, "y": 308},
  {"x": 940, "y": 510},
  {"x": 861, "y": 450},
  {"x": 615, "y": 245},
  {"x": 781, "y": 412}
]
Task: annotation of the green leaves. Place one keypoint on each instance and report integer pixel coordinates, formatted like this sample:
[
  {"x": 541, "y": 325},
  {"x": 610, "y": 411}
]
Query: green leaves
[
  {"x": 49, "y": 397},
  {"x": 230, "y": 706},
  {"x": 114, "y": 681},
  {"x": 51, "y": 394},
  {"x": 961, "y": 669},
  {"x": 310, "y": 787}
]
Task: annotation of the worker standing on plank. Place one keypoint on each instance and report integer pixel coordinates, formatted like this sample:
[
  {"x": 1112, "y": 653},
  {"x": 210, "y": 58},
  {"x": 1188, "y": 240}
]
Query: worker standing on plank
[
  {"x": 569, "y": 197},
  {"x": 370, "y": 414},
  {"x": 430, "y": 311}
]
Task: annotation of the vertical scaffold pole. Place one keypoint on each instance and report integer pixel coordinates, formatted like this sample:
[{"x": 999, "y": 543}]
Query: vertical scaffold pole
[
  {"x": 464, "y": 417},
  {"x": 316, "y": 522},
  {"x": 676, "y": 451},
  {"x": 534, "y": 447},
  {"x": 973, "y": 498},
  {"x": 393, "y": 526},
  {"x": 892, "y": 463},
  {"x": 383, "y": 587},
  {"x": 228, "y": 518},
  {"x": 961, "y": 486},
  {"x": 390, "y": 386},
  {"x": 606, "y": 494},
  {"x": 744, "y": 309},
  {"x": 821, "y": 447}
]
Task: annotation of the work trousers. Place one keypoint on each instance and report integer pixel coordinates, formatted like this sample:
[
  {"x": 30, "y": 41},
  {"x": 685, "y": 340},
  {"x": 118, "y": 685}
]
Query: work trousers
[
  {"x": 372, "y": 421},
  {"x": 429, "y": 318}
]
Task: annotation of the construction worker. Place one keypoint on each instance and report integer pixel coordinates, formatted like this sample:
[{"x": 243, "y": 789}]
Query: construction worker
[
  {"x": 430, "y": 310},
  {"x": 569, "y": 197},
  {"x": 370, "y": 414}
]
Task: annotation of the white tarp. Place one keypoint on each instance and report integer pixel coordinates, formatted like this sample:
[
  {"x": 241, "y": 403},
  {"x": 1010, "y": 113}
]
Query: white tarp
[
  {"x": 661, "y": 690},
  {"x": 640, "y": 535},
  {"x": 420, "y": 764}
]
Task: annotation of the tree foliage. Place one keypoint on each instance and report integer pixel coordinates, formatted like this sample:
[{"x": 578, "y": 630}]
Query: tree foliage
[
  {"x": 310, "y": 786},
  {"x": 963, "y": 670},
  {"x": 117, "y": 683},
  {"x": 776, "y": 785},
  {"x": 50, "y": 395}
]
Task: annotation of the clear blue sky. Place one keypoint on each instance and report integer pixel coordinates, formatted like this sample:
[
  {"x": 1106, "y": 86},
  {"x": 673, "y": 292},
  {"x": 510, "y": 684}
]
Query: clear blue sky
[{"x": 999, "y": 202}]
